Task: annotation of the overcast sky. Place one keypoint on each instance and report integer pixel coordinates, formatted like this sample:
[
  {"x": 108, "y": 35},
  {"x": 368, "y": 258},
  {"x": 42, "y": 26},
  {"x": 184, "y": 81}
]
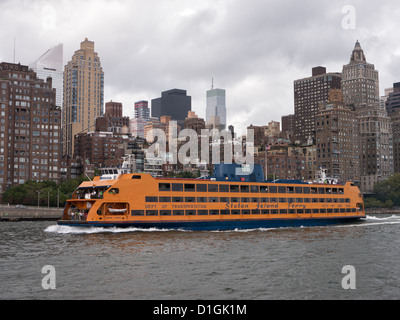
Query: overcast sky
[{"x": 254, "y": 49}]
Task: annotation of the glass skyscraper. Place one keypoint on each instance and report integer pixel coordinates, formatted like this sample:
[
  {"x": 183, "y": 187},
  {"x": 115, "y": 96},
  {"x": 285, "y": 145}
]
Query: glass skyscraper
[{"x": 216, "y": 109}]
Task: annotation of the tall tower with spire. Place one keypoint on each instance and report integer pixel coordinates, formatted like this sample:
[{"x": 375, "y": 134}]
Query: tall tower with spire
[
  {"x": 360, "y": 80},
  {"x": 216, "y": 108}
]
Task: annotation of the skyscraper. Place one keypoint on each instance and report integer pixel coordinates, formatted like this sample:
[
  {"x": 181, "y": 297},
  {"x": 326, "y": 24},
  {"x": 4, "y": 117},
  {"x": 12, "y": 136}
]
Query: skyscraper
[
  {"x": 216, "y": 108},
  {"x": 30, "y": 127},
  {"x": 308, "y": 94},
  {"x": 174, "y": 103},
  {"x": 50, "y": 64},
  {"x": 83, "y": 94},
  {"x": 360, "y": 80},
  {"x": 142, "y": 116}
]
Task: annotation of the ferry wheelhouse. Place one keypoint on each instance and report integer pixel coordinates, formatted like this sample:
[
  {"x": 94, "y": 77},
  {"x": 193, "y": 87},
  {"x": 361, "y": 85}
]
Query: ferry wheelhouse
[{"x": 229, "y": 199}]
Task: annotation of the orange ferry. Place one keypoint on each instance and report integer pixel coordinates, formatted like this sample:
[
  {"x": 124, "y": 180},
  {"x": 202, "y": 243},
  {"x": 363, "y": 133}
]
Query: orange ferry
[{"x": 224, "y": 201}]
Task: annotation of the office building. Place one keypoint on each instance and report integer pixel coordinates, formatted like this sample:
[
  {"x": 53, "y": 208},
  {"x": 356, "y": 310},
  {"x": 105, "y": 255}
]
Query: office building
[
  {"x": 216, "y": 109},
  {"x": 83, "y": 94},
  {"x": 30, "y": 127},
  {"x": 360, "y": 80},
  {"x": 308, "y": 94},
  {"x": 174, "y": 103},
  {"x": 51, "y": 64},
  {"x": 393, "y": 99}
]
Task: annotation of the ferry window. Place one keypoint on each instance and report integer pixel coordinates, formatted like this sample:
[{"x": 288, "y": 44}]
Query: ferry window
[
  {"x": 202, "y": 212},
  {"x": 255, "y": 211},
  {"x": 224, "y": 188},
  {"x": 299, "y": 200},
  {"x": 283, "y": 211},
  {"x": 314, "y": 200},
  {"x": 306, "y": 190},
  {"x": 114, "y": 191},
  {"x": 274, "y": 211},
  {"x": 137, "y": 212},
  {"x": 223, "y": 199},
  {"x": 136, "y": 177},
  {"x": 201, "y": 188},
  {"x": 273, "y": 189},
  {"x": 347, "y": 200},
  {"x": 329, "y": 200},
  {"x": 335, "y": 200},
  {"x": 334, "y": 191},
  {"x": 322, "y": 211},
  {"x": 234, "y": 188},
  {"x": 341, "y": 200},
  {"x": 214, "y": 212},
  {"x": 201, "y": 199},
  {"x": 274, "y": 200},
  {"x": 234, "y": 199},
  {"x": 165, "y": 199},
  {"x": 190, "y": 199},
  {"x": 264, "y": 200},
  {"x": 348, "y": 210},
  {"x": 291, "y": 200},
  {"x": 300, "y": 211},
  {"x": 307, "y": 200},
  {"x": 255, "y": 200},
  {"x": 177, "y": 187},
  {"x": 315, "y": 210},
  {"x": 235, "y": 212},
  {"x": 282, "y": 189},
  {"x": 212, "y": 188},
  {"x": 342, "y": 210},
  {"x": 290, "y": 190},
  {"x": 246, "y": 211},
  {"x": 353, "y": 210},
  {"x": 151, "y": 199},
  {"x": 225, "y": 212},
  {"x": 292, "y": 211},
  {"x": 321, "y": 199},
  {"x": 190, "y": 212},
  {"x": 189, "y": 187},
  {"x": 282, "y": 200},
  {"x": 177, "y": 199},
  {"x": 254, "y": 189},
  {"x": 245, "y": 199},
  {"x": 151, "y": 212},
  {"x": 178, "y": 212},
  {"x": 164, "y": 187},
  {"x": 298, "y": 189},
  {"x": 264, "y": 189},
  {"x": 321, "y": 190},
  {"x": 336, "y": 210},
  {"x": 244, "y": 188},
  {"x": 330, "y": 211},
  {"x": 267, "y": 211},
  {"x": 213, "y": 199},
  {"x": 328, "y": 190},
  {"x": 165, "y": 212},
  {"x": 341, "y": 191},
  {"x": 313, "y": 190},
  {"x": 308, "y": 210}
]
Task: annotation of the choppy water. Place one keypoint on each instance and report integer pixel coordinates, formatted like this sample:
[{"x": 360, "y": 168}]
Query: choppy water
[{"x": 291, "y": 263}]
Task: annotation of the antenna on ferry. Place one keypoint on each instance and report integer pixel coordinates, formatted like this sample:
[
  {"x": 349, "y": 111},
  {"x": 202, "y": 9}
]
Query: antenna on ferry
[{"x": 88, "y": 177}]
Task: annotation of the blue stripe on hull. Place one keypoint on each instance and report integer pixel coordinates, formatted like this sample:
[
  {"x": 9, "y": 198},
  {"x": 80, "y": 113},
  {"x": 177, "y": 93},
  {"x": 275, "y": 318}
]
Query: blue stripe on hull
[{"x": 215, "y": 225}]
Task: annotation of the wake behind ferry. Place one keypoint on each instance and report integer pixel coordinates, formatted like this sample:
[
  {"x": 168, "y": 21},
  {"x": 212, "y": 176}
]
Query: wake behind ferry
[{"x": 229, "y": 199}]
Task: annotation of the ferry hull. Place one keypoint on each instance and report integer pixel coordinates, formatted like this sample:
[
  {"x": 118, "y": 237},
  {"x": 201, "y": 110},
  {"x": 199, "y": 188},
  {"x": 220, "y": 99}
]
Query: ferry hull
[{"x": 217, "y": 225}]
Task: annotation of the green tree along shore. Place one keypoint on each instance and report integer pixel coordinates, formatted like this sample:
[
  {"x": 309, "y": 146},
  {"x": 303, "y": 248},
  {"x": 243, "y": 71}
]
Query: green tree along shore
[
  {"x": 386, "y": 193},
  {"x": 48, "y": 192}
]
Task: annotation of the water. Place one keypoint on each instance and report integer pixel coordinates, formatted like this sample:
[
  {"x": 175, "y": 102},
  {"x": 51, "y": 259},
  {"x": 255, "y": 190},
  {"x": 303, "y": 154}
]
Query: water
[{"x": 291, "y": 263}]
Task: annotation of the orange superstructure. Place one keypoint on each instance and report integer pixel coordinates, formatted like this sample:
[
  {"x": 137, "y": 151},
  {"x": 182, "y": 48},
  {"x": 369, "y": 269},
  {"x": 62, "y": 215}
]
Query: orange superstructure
[{"x": 139, "y": 200}]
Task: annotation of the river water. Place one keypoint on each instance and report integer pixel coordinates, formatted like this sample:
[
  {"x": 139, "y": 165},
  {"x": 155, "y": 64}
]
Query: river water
[{"x": 289, "y": 263}]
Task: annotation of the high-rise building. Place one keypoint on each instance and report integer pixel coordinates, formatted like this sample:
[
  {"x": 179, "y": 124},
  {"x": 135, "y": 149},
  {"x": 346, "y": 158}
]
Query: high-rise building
[
  {"x": 393, "y": 99},
  {"x": 142, "y": 116},
  {"x": 337, "y": 141},
  {"x": 360, "y": 80},
  {"x": 83, "y": 94},
  {"x": 142, "y": 110},
  {"x": 308, "y": 94},
  {"x": 30, "y": 127},
  {"x": 216, "y": 108},
  {"x": 115, "y": 121},
  {"x": 51, "y": 64},
  {"x": 174, "y": 103}
]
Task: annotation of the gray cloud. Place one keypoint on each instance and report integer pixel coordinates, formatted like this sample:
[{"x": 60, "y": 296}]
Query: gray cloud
[{"x": 254, "y": 49}]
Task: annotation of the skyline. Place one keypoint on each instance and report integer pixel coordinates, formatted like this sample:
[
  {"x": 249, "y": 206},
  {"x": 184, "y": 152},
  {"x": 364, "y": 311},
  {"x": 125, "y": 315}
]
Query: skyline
[{"x": 254, "y": 50}]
